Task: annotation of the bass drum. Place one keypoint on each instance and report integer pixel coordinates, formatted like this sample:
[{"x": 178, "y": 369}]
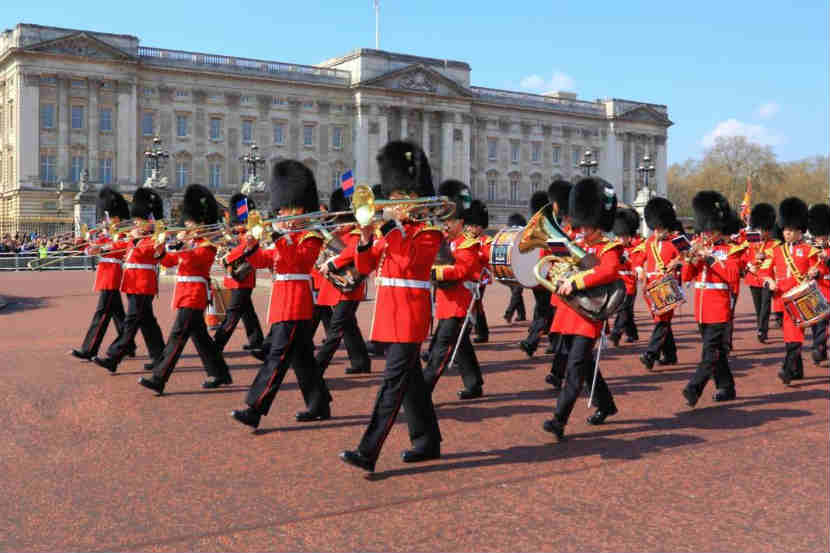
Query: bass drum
[{"x": 508, "y": 264}]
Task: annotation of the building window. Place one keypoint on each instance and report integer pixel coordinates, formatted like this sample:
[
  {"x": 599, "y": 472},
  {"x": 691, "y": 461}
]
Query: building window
[
  {"x": 557, "y": 151},
  {"x": 491, "y": 188},
  {"x": 337, "y": 138},
  {"x": 47, "y": 116},
  {"x": 576, "y": 155},
  {"x": 77, "y": 118},
  {"x": 514, "y": 151},
  {"x": 148, "y": 91},
  {"x": 181, "y": 126},
  {"x": 337, "y": 108},
  {"x": 245, "y": 100},
  {"x": 280, "y": 101},
  {"x": 247, "y": 131},
  {"x": 78, "y": 84},
  {"x": 47, "y": 169},
  {"x": 215, "y": 128},
  {"x": 514, "y": 188},
  {"x": 492, "y": 148},
  {"x": 148, "y": 169},
  {"x": 147, "y": 124},
  {"x": 105, "y": 120},
  {"x": 279, "y": 133},
  {"x": 105, "y": 170},
  {"x": 308, "y": 105},
  {"x": 536, "y": 182},
  {"x": 182, "y": 93},
  {"x": 335, "y": 179},
  {"x": 308, "y": 135},
  {"x": 77, "y": 168},
  {"x": 246, "y": 172},
  {"x": 182, "y": 173},
  {"x": 536, "y": 152},
  {"x": 215, "y": 178}
]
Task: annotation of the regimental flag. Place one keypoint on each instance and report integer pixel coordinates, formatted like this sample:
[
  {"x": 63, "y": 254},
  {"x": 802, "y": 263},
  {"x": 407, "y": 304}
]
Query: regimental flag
[
  {"x": 347, "y": 183},
  {"x": 241, "y": 209},
  {"x": 746, "y": 205}
]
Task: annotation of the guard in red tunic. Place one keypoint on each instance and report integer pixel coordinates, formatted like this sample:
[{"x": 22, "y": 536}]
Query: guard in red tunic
[
  {"x": 456, "y": 290},
  {"x": 293, "y": 192},
  {"x": 342, "y": 321},
  {"x": 714, "y": 274},
  {"x": 819, "y": 225},
  {"x": 542, "y": 310},
  {"x": 592, "y": 206},
  {"x": 626, "y": 225},
  {"x": 762, "y": 221},
  {"x": 403, "y": 258},
  {"x": 791, "y": 264},
  {"x": 140, "y": 282},
  {"x": 516, "y": 304},
  {"x": 241, "y": 287},
  {"x": 654, "y": 259},
  {"x": 110, "y": 251},
  {"x": 194, "y": 256}
]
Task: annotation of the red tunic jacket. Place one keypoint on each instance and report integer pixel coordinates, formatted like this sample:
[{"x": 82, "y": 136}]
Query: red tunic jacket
[
  {"x": 249, "y": 282},
  {"x": 108, "y": 274},
  {"x": 290, "y": 260},
  {"x": 140, "y": 266},
  {"x": 329, "y": 293},
  {"x": 650, "y": 258},
  {"x": 403, "y": 259},
  {"x": 750, "y": 254},
  {"x": 713, "y": 285},
  {"x": 803, "y": 256},
  {"x": 192, "y": 275},
  {"x": 454, "y": 300}
]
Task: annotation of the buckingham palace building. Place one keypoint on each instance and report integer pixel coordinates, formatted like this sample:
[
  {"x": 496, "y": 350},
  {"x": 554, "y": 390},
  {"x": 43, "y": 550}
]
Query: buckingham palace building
[{"x": 78, "y": 110}]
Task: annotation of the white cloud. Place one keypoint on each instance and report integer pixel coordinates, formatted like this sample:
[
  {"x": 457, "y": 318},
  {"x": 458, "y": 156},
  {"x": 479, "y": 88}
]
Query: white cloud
[
  {"x": 768, "y": 110},
  {"x": 733, "y": 127},
  {"x": 537, "y": 83}
]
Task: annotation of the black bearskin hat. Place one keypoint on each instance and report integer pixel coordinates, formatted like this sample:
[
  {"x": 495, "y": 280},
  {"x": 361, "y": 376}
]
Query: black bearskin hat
[
  {"x": 459, "y": 194},
  {"x": 479, "y": 214},
  {"x": 593, "y": 203},
  {"x": 538, "y": 200},
  {"x": 660, "y": 213},
  {"x": 792, "y": 213},
  {"x": 558, "y": 193},
  {"x": 147, "y": 204},
  {"x": 516, "y": 220},
  {"x": 777, "y": 233},
  {"x": 112, "y": 202},
  {"x": 404, "y": 167},
  {"x": 235, "y": 199},
  {"x": 199, "y": 205},
  {"x": 733, "y": 223},
  {"x": 711, "y": 211},
  {"x": 762, "y": 217},
  {"x": 818, "y": 220},
  {"x": 293, "y": 185},
  {"x": 377, "y": 190},
  {"x": 338, "y": 201},
  {"x": 626, "y": 222}
]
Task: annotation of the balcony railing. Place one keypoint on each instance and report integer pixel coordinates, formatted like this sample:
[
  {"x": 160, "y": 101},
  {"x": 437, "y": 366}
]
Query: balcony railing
[{"x": 538, "y": 100}]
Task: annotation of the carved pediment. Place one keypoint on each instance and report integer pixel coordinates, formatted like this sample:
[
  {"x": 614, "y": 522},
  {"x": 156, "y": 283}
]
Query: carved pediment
[
  {"x": 645, "y": 114},
  {"x": 420, "y": 79},
  {"x": 81, "y": 45}
]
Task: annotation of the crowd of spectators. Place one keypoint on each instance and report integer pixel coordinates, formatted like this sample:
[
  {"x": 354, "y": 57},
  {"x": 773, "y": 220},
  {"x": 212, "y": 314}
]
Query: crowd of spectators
[{"x": 26, "y": 243}]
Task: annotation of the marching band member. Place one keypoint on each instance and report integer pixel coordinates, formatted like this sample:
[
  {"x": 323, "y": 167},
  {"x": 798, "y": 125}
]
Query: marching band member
[
  {"x": 454, "y": 295},
  {"x": 241, "y": 306},
  {"x": 516, "y": 305},
  {"x": 818, "y": 220},
  {"x": 654, "y": 259},
  {"x": 107, "y": 275},
  {"x": 342, "y": 322},
  {"x": 194, "y": 257},
  {"x": 626, "y": 225},
  {"x": 735, "y": 236},
  {"x": 140, "y": 282},
  {"x": 403, "y": 258},
  {"x": 791, "y": 264},
  {"x": 592, "y": 206},
  {"x": 714, "y": 274},
  {"x": 762, "y": 220},
  {"x": 542, "y": 310},
  {"x": 293, "y": 192}
]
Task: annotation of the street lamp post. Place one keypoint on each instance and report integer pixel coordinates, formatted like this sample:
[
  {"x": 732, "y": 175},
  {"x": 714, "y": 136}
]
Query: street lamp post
[
  {"x": 159, "y": 158},
  {"x": 588, "y": 164},
  {"x": 251, "y": 161},
  {"x": 646, "y": 170}
]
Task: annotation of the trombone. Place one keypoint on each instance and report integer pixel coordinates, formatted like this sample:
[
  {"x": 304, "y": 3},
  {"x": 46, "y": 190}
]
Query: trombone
[{"x": 365, "y": 207}]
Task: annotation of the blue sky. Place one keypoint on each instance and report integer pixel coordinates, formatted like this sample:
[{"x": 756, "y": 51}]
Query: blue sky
[{"x": 727, "y": 67}]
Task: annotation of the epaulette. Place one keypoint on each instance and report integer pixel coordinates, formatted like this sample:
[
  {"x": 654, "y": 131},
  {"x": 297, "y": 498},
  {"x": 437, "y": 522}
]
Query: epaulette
[
  {"x": 356, "y": 231},
  {"x": 814, "y": 251},
  {"x": 738, "y": 247},
  {"x": 641, "y": 247},
  {"x": 487, "y": 239},
  {"x": 468, "y": 243},
  {"x": 610, "y": 246},
  {"x": 427, "y": 228},
  {"x": 310, "y": 234}
]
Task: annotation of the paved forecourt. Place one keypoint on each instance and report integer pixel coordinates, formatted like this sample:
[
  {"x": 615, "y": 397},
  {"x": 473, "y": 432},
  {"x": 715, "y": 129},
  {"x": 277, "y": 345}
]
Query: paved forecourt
[{"x": 92, "y": 461}]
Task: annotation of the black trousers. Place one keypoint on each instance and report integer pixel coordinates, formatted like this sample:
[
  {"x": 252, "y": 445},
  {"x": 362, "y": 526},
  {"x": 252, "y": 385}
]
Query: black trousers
[
  {"x": 820, "y": 338},
  {"x": 290, "y": 344},
  {"x": 579, "y": 372},
  {"x": 624, "y": 322},
  {"x": 793, "y": 363},
  {"x": 543, "y": 313},
  {"x": 714, "y": 362},
  {"x": 241, "y": 307},
  {"x": 342, "y": 325},
  {"x": 482, "y": 330},
  {"x": 662, "y": 341},
  {"x": 190, "y": 323},
  {"x": 109, "y": 307},
  {"x": 762, "y": 300},
  {"x": 559, "y": 363},
  {"x": 139, "y": 317},
  {"x": 440, "y": 353},
  {"x": 516, "y": 304},
  {"x": 403, "y": 384}
]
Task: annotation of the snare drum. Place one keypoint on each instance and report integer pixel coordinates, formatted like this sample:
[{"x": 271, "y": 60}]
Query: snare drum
[
  {"x": 664, "y": 295},
  {"x": 806, "y": 305},
  {"x": 509, "y": 266},
  {"x": 215, "y": 312}
]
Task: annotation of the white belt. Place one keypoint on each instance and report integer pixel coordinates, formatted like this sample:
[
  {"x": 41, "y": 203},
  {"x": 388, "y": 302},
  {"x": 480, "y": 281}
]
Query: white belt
[
  {"x": 140, "y": 266},
  {"x": 658, "y": 273},
  {"x": 625, "y": 272},
  {"x": 402, "y": 282},
  {"x": 712, "y": 285},
  {"x": 187, "y": 278},
  {"x": 289, "y": 276},
  {"x": 110, "y": 260}
]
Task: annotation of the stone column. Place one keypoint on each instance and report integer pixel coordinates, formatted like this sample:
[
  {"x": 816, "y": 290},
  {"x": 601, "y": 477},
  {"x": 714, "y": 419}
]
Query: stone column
[
  {"x": 611, "y": 167},
  {"x": 465, "y": 170},
  {"x": 362, "y": 170},
  {"x": 27, "y": 128},
  {"x": 126, "y": 156},
  {"x": 92, "y": 130},
  {"x": 404, "y": 124},
  {"x": 64, "y": 121},
  {"x": 447, "y": 121},
  {"x": 427, "y": 120},
  {"x": 660, "y": 165},
  {"x": 383, "y": 138}
]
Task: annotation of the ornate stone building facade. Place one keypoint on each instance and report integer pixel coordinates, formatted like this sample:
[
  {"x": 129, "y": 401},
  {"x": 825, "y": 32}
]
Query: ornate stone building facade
[{"x": 74, "y": 101}]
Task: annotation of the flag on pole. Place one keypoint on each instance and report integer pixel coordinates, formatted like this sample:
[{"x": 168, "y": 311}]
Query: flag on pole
[
  {"x": 241, "y": 209},
  {"x": 746, "y": 205},
  {"x": 347, "y": 183}
]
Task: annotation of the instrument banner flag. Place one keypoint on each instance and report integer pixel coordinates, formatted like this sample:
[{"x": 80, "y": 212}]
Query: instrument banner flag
[{"x": 347, "y": 183}]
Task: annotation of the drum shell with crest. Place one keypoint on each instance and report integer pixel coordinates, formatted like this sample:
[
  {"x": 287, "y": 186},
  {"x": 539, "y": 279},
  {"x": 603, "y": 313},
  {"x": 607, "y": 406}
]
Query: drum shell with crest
[{"x": 806, "y": 305}]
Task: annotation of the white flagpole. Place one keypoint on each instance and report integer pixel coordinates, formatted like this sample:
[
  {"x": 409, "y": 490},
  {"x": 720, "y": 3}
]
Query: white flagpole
[{"x": 377, "y": 24}]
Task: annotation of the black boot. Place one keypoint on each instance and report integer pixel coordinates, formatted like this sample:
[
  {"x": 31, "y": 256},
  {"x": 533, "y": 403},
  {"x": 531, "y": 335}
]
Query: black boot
[
  {"x": 555, "y": 427},
  {"x": 107, "y": 362},
  {"x": 647, "y": 361},
  {"x": 248, "y": 416},
  {"x": 599, "y": 416},
  {"x": 357, "y": 459},
  {"x": 153, "y": 384}
]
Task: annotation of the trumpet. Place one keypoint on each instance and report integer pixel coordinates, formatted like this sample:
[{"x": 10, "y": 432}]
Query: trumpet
[{"x": 365, "y": 207}]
